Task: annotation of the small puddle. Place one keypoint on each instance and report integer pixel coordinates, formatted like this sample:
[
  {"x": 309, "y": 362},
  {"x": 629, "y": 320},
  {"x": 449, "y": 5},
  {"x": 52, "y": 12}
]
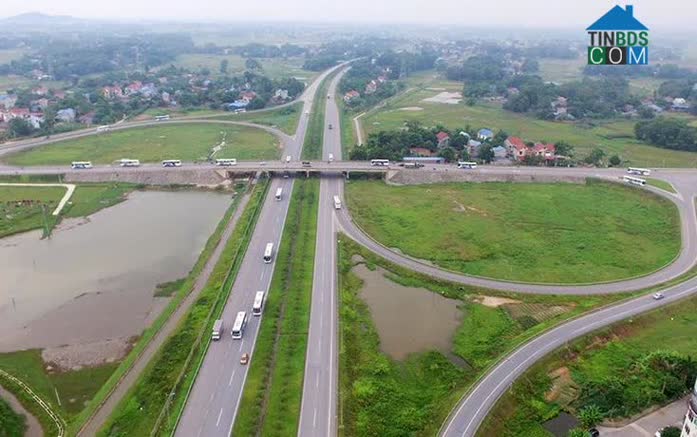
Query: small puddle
[{"x": 408, "y": 319}]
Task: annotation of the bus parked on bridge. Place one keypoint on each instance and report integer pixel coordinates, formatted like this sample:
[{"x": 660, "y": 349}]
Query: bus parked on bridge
[
  {"x": 337, "y": 202},
  {"x": 81, "y": 165},
  {"x": 380, "y": 162},
  {"x": 239, "y": 325},
  {"x": 129, "y": 163},
  {"x": 226, "y": 162},
  {"x": 633, "y": 180},
  {"x": 258, "y": 303},
  {"x": 639, "y": 171},
  {"x": 466, "y": 164},
  {"x": 161, "y": 117},
  {"x": 279, "y": 193},
  {"x": 268, "y": 253},
  {"x": 171, "y": 163}
]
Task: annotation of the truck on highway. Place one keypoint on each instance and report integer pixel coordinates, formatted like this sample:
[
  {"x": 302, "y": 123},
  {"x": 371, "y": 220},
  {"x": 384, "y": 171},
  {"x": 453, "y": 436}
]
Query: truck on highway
[
  {"x": 217, "y": 330},
  {"x": 279, "y": 193},
  {"x": 337, "y": 202}
]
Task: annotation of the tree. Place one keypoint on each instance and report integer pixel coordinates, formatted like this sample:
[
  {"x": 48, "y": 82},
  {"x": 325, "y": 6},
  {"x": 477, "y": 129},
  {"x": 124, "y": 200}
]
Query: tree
[
  {"x": 252, "y": 64},
  {"x": 223, "y": 66},
  {"x": 590, "y": 416},
  {"x": 646, "y": 112},
  {"x": 595, "y": 157},
  {"x": 19, "y": 127},
  {"x": 564, "y": 149},
  {"x": 578, "y": 432},
  {"x": 448, "y": 153},
  {"x": 486, "y": 153},
  {"x": 615, "y": 160},
  {"x": 499, "y": 138},
  {"x": 670, "y": 431}
]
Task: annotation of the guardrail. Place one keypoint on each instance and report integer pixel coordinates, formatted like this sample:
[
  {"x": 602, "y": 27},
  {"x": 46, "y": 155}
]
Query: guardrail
[{"x": 44, "y": 405}]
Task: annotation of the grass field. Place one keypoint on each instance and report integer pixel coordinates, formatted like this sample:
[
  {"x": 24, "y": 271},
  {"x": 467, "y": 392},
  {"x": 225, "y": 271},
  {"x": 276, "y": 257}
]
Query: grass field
[
  {"x": 275, "y": 68},
  {"x": 270, "y": 403},
  {"x": 382, "y": 396},
  {"x": 597, "y": 359},
  {"x": 663, "y": 185},
  {"x": 174, "y": 366},
  {"x": 9, "y": 55},
  {"x": 188, "y": 142},
  {"x": 285, "y": 119},
  {"x": 615, "y": 137},
  {"x": 554, "y": 233},
  {"x": 26, "y": 208},
  {"x": 12, "y": 424}
]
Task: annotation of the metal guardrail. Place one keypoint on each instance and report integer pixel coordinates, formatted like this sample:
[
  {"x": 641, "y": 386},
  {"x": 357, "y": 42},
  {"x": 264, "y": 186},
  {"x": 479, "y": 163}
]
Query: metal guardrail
[{"x": 44, "y": 405}]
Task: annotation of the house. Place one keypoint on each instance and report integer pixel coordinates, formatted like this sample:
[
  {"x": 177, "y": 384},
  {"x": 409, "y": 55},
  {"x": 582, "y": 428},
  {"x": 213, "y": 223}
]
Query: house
[
  {"x": 112, "y": 92},
  {"x": 382, "y": 79},
  {"x": 679, "y": 104},
  {"x": 59, "y": 94},
  {"x": 41, "y": 103},
  {"x": 281, "y": 94},
  {"x": 7, "y": 101},
  {"x": 546, "y": 151},
  {"x": 133, "y": 88},
  {"x": 421, "y": 151},
  {"x": 500, "y": 152},
  {"x": 40, "y": 91},
  {"x": 87, "y": 118},
  {"x": 248, "y": 96},
  {"x": 66, "y": 115},
  {"x": 353, "y": 94},
  {"x": 148, "y": 90},
  {"x": 165, "y": 96},
  {"x": 237, "y": 104},
  {"x": 36, "y": 119},
  {"x": 443, "y": 139},
  {"x": 485, "y": 134},
  {"x": 618, "y": 19},
  {"x": 655, "y": 108},
  {"x": 371, "y": 87},
  {"x": 473, "y": 148},
  {"x": 516, "y": 148}
]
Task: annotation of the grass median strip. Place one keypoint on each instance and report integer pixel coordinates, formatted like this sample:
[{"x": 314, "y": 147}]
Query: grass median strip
[
  {"x": 312, "y": 147},
  {"x": 140, "y": 409},
  {"x": 663, "y": 185},
  {"x": 271, "y": 399}
]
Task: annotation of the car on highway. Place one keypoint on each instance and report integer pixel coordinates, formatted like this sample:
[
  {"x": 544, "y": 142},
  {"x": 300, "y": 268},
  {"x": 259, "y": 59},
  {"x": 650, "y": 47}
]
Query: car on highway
[
  {"x": 244, "y": 359},
  {"x": 330, "y": 126},
  {"x": 307, "y": 164},
  {"x": 658, "y": 296},
  {"x": 287, "y": 159},
  {"x": 307, "y": 112},
  {"x": 262, "y": 163},
  {"x": 331, "y": 157}
]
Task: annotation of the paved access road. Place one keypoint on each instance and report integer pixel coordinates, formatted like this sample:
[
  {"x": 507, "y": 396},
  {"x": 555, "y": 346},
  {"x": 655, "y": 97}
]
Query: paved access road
[
  {"x": 214, "y": 400},
  {"x": 319, "y": 400}
]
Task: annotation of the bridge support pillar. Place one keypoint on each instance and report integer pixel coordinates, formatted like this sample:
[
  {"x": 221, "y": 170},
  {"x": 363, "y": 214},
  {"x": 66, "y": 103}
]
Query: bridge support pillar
[
  {"x": 307, "y": 174},
  {"x": 348, "y": 176}
]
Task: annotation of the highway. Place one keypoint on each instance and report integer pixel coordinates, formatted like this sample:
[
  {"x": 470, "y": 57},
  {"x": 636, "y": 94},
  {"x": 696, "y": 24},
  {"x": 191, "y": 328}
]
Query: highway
[
  {"x": 214, "y": 399},
  {"x": 318, "y": 411}
]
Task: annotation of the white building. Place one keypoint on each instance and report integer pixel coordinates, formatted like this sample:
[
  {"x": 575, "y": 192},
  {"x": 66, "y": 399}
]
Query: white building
[{"x": 689, "y": 429}]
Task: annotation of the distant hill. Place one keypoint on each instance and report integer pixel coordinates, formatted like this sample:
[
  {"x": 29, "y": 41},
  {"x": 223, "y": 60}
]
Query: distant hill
[{"x": 39, "y": 22}]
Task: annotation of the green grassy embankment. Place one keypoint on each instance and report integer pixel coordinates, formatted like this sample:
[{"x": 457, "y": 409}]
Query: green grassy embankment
[
  {"x": 621, "y": 370},
  {"x": 314, "y": 138},
  {"x": 663, "y": 185},
  {"x": 188, "y": 142},
  {"x": 12, "y": 424},
  {"x": 382, "y": 396},
  {"x": 553, "y": 233},
  {"x": 139, "y": 413},
  {"x": 271, "y": 399}
]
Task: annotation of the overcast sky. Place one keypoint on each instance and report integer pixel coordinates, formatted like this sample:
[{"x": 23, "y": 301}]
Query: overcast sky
[{"x": 666, "y": 14}]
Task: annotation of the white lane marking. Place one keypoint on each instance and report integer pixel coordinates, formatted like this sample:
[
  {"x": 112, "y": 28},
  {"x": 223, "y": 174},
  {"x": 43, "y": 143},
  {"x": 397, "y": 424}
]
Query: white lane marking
[
  {"x": 219, "y": 416},
  {"x": 314, "y": 418},
  {"x": 241, "y": 344},
  {"x": 317, "y": 380},
  {"x": 232, "y": 376}
]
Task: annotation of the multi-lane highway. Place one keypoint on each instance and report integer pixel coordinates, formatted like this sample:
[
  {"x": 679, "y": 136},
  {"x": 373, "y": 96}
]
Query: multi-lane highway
[
  {"x": 319, "y": 400},
  {"x": 214, "y": 400}
]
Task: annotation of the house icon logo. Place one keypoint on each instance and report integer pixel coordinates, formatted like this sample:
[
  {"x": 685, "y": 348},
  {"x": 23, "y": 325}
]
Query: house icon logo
[{"x": 618, "y": 38}]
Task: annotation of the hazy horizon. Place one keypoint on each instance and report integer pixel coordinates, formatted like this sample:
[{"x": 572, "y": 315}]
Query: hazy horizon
[{"x": 677, "y": 15}]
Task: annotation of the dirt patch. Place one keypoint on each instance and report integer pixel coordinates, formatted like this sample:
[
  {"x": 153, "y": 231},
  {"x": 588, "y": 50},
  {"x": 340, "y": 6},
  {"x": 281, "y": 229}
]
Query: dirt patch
[
  {"x": 411, "y": 108},
  {"x": 74, "y": 357},
  {"x": 436, "y": 89},
  {"x": 445, "y": 98},
  {"x": 564, "y": 390},
  {"x": 494, "y": 301}
]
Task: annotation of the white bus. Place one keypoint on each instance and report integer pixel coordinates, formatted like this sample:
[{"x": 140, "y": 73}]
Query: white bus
[
  {"x": 268, "y": 253},
  {"x": 80, "y": 165},
  {"x": 171, "y": 163},
  {"x": 129, "y": 163},
  {"x": 258, "y": 303},
  {"x": 633, "y": 180},
  {"x": 104, "y": 128},
  {"x": 217, "y": 330},
  {"x": 331, "y": 158},
  {"x": 239, "y": 325},
  {"x": 639, "y": 171},
  {"x": 466, "y": 164},
  {"x": 287, "y": 159},
  {"x": 337, "y": 202},
  {"x": 161, "y": 117},
  {"x": 279, "y": 193},
  {"x": 226, "y": 161},
  {"x": 380, "y": 162}
]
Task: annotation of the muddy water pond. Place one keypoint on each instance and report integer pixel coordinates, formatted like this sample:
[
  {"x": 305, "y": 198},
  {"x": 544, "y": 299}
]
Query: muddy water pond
[
  {"x": 408, "y": 319},
  {"x": 93, "y": 280}
]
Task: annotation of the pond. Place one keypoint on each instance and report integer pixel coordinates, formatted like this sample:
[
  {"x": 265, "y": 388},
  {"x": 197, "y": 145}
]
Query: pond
[
  {"x": 408, "y": 319},
  {"x": 93, "y": 280}
]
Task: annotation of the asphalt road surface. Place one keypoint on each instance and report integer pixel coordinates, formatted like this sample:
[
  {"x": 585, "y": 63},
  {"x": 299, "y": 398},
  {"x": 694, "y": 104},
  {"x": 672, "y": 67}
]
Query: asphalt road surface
[
  {"x": 319, "y": 400},
  {"x": 214, "y": 400}
]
